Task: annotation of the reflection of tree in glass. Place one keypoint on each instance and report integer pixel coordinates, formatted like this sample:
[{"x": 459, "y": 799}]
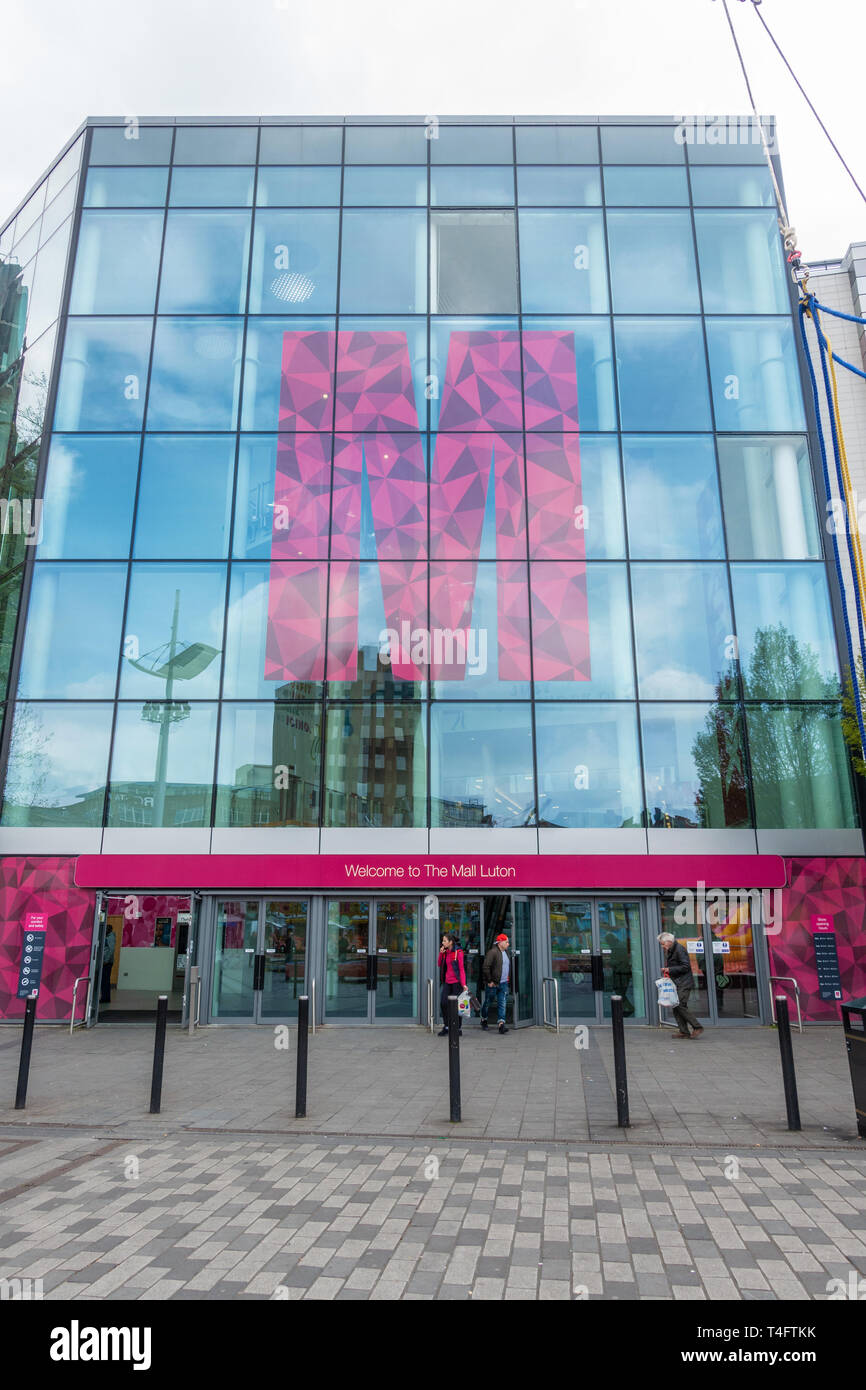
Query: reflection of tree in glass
[
  {"x": 785, "y": 743},
  {"x": 850, "y": 725},
  {"x": 28, "y": 760}
]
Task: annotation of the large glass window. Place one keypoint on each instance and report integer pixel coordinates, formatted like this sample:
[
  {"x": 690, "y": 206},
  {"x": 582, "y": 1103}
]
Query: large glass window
[
  {"x": 269, "y": 765},
  {"x": 785, "y": 632},
  {"x": 672, "y": 497},
  {"x": 596, "y": 519},
  {"x": 117, "y": 263},
  {"x": 742, "y": 270},
  {"x": 473, "y": 263},
  {"x": 593, "y": 354},
  {"x": 204, "y": 266},
  {"x": 294, "y": 268},
  {"x": 125, "y": 188},
  {"x": 753, "y": 367},
  {"x": 263, "y": 369},
  {"x": 217, "y": 144},
  {"x": 195, "y": 378},
  {"x": 556, "y": 144},
  {"x": 47, "y": 291},
  {"x": 478, "y": 186},
  {"x": 558, "y": 187},
  {"x": 645, "y": 186},
  {"x": 632, "y": 144},
  {"x": 581, "y": 632},
  {"x": 174, "y": 632},
  {"x": 254, "y": 660},
  {"x": 213, "y": 187},
  {"x": 481, "y": 646},
  {"x": 384, "y": 262},
  {"x": 481, "y": 765},
  {"x": 588, "y": 766},
  {"x": 130, "y": 144},
  {"x": 562, "y": 263},
  {"x": 386, "y": 186},
  {"x": 800, "y": 770},
  {"x": 769, "y": 499},
  {"x": 662, "y": 241},
  {"x": 472, "y": 144},
  {"x": 162, "y": 766},
  {"x": 254, "y": 509},
  {"x": 72, "y": 640},
  {"x": 387, "y": 144},
  {"x": 301, "y": 145},
  {"x": 375, "y": 765},
  {"x": 721, "y": 187},
  {"x": 298, "y": 187},
  {"x": 58, "y": 762},
  {"x": 694, "y": 764},
  {"x": 662, "y": 374},
  {"x": 375, "y": 652},
  {"x": 185, "y": 497},
  {"x": 103, "y": 375},
  {"x": 683, "y": 631},
  {"x": 89, "y": 495}
]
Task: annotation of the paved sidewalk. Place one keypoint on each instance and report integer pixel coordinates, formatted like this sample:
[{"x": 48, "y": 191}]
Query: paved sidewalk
[
  {"x": 197, "y": 1216},
  {"x": 723, "y": 1090}
]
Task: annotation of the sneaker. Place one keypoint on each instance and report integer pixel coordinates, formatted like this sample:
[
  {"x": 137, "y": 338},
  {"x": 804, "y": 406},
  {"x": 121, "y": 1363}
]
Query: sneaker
[
  {"x": 696, "y": 1032},
  {"x": 677, "y": 1036},
  {"x": 502, "y": 1028},
  {"x": 484, "y": 1023},
  {"x": 443, "y": 1033}
]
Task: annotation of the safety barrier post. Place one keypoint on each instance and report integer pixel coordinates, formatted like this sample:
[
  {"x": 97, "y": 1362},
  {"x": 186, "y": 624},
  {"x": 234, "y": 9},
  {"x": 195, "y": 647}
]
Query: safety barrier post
[
  {"x": 454, "y": 1057},
  {"x": 26, "y": 1047},
  {"x": 158, "y": 1054},
  {"x": 619, "y": 1071},
  {"x": 783, "y": 1023},
  {"x": 303, "y": 1047}
]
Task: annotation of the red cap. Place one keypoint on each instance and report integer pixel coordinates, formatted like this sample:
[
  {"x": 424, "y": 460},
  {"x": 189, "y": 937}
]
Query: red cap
[{"x": 502, "y": 937}]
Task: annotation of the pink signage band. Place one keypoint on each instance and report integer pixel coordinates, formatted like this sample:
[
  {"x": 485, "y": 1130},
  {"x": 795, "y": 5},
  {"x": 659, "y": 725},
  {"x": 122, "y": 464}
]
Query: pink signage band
[{"x": 373, "y": 873}]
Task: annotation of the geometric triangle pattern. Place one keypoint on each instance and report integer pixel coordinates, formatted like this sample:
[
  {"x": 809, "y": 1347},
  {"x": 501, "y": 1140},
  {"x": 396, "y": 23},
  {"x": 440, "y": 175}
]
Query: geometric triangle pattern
[
  {"x": 302, "y": 497},
  {"x": 556, "y": 518},
  {"x": 295, "y": 644},
  {"x": 375, "y": 390},
  {"x": 45, "y": 885},
  {"x": 550, "y": 380},
  {"x": 458, "y": 495},
  {"x": 482, "y": 382},
  {"x": 397, "y": 478},
  {"x": 307, "y": 381},
  {"x": 833, "y": 888},
  {"x": 560, "y": 621}
]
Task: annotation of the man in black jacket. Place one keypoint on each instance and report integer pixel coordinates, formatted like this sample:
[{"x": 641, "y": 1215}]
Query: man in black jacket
[{"x": 675, "y": 960}]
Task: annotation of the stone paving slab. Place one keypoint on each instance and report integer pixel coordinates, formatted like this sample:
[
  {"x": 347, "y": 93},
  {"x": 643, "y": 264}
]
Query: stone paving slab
[
  {"x": 213, "y": 1217},
  {"x": 723, "y": 1089}
]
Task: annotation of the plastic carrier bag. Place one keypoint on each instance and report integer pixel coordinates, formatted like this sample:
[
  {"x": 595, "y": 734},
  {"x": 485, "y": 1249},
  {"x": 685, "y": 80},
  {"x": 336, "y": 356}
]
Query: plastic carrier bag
[
  {"x": 463, "y": 1005},
  {"x": 668, "y": 997}
]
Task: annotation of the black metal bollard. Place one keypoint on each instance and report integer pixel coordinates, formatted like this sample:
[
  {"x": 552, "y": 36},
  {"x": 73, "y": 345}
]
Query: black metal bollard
[
  {"x": 454, "y": 1057},
  {"x": 788, "y": 1076},
  {"x": 303, "y": 1046},
  {"x": 26, "y": 1048},
  {"x": 619, "y": 1071},
  {"x": 158, "y": 1054}
]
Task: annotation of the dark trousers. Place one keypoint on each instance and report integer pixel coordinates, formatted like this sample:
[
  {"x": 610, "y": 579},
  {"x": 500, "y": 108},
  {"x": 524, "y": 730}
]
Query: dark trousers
[
  {"x": 105, "y": 991},
  {"x": 449, "y": 987},
  {"x": 682, "y": 1013}
]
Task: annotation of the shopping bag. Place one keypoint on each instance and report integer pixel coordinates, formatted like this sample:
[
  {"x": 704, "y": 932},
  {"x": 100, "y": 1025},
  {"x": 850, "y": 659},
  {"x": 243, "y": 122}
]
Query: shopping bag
[
  {"x": 668, "y": 996},
  {"x": 463, "y": 1005}
]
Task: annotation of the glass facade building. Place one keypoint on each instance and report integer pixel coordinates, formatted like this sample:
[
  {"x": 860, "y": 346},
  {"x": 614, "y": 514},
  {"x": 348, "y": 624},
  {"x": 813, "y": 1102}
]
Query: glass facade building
[{"x": 407, "y": 490}]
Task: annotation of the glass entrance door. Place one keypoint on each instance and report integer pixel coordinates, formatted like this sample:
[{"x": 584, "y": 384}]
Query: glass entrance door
[
  {"x": 260, "y": 958},
  {"x": 596, "y": 952},
  {"x": 371, "y": 961},
  {"x": 722, "y": 952}
]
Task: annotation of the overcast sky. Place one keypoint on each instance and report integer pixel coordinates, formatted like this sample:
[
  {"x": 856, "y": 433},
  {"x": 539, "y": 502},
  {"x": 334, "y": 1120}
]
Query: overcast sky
[{"x": 65, "y": 61}]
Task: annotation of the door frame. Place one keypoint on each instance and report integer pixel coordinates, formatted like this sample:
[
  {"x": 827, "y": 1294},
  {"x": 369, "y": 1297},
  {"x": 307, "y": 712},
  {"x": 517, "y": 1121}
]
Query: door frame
[
  {"x": 371, "y": 1020},
  {"x": 647, "y": 926},
  {"x": 207, "y": 934},
  {"x": 91, "y": 1013}
]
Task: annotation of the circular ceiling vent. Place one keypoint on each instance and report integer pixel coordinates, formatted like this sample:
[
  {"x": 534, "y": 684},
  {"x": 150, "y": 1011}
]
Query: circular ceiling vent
[{"x": 293, "y": 287}]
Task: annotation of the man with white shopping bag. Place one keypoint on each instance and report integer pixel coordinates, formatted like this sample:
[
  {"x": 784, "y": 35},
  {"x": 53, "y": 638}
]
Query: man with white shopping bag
[{"x": 675, "y": 960}]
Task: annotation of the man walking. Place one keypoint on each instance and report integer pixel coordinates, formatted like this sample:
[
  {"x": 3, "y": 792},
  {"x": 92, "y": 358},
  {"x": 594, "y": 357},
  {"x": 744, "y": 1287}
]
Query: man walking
[
  {"x": 495, "y": 974},
  {"x": 108, "y": 950},
  {"x": 675, "y": 959}
]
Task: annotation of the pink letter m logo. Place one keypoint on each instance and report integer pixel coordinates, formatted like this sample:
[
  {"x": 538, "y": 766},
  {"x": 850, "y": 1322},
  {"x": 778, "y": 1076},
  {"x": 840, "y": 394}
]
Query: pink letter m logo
[{"x": 349, "y": 441}]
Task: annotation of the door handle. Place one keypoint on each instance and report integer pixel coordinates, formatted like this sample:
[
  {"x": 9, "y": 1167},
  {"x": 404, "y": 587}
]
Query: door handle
[
  {"x": 374, "y": 971},
  {"x": 258, "y": 972},
  {"x": 597, "y": 967},
  {"x": 371, "y": 960}
]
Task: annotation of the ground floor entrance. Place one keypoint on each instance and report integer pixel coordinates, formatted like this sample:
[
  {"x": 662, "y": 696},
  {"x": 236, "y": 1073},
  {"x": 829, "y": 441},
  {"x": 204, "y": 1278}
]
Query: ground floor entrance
[{"x": 372, "y": 959}]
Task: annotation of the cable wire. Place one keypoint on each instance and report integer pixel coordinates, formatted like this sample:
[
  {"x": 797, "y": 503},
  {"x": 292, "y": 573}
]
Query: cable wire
[
  {"x": 780, "y": 202},
  {"x": 756, "y": 6}
]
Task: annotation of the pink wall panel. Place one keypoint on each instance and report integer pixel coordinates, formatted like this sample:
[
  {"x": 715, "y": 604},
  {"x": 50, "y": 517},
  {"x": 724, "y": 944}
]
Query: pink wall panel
[
  {"x": 834, "y": 888},
  {"x": 44, "y": 885}
]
